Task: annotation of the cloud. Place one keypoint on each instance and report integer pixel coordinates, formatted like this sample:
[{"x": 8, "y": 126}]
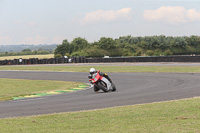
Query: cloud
[
  {"x": 28, "y": 23},
  {"x": 35, "y": 40},
  {"x": 42, "y": 40},
  {"x": 31, "y": 23},
  {"x": 5, "y": 40},
  {"x": 18, "y": 22},
  {"x": 172, "y": 15},
  {"x": 57, "y": 39},
  {"x": 100, "y": 16}
]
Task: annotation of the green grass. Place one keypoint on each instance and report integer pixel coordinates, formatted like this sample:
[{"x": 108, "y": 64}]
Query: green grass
[
  {"x": 148, "y": 69},
  {"x": 27, "y": 57},
  {"x": 181, "y": 116},
  {"x": 18, "y": 87}
]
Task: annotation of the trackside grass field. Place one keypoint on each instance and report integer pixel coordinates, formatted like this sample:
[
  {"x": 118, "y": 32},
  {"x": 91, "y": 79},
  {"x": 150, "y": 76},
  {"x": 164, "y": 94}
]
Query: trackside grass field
[
  {"x": 181, "y": 116},
  {"x": 151, "y": 69},
  {"x": 18, "y": 87}
]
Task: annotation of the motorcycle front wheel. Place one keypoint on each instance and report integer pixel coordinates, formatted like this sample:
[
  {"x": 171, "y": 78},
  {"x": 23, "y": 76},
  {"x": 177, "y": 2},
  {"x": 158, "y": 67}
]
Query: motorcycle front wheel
[
  {"x": 96, "y": 89},
  {"x": 102, "y": 86}
]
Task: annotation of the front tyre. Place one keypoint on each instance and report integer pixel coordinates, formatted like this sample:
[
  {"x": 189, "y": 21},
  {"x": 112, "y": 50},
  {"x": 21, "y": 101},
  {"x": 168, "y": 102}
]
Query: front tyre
[
  {"x": 96, "y": 89},
  {"x": 102, "y": 86}
]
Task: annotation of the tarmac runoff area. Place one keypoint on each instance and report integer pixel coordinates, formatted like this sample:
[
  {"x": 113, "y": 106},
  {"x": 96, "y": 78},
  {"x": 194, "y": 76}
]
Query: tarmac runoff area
[{"x": 132, "y": 88}]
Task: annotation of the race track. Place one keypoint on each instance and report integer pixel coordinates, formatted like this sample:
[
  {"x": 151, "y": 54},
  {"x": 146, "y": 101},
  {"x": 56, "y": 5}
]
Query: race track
[{"x": 132, "y": 88}]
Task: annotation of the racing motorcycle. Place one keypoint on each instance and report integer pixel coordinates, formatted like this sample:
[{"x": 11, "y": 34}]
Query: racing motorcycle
[{"x": 101, "y": 82}]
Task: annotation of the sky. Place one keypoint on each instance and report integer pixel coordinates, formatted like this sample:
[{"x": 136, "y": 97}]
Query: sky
[{"x": 52, "y": 21}]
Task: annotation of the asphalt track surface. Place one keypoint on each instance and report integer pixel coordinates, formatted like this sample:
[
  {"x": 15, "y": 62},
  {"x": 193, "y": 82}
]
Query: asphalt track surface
[{"x": 132, "y": 88}]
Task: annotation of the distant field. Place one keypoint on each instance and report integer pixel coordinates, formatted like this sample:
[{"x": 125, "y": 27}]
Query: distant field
[{"x": 27, "y": 57}]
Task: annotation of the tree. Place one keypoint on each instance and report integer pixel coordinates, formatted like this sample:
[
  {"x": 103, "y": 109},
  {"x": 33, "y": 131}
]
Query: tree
[
  {"x": 128, "y": 46},
  {"x": 63, "y": 48},
  {"x": 26, "y": 50},
  {"x": 107, "y": 43},
  {"x": 79, "y": 44}
]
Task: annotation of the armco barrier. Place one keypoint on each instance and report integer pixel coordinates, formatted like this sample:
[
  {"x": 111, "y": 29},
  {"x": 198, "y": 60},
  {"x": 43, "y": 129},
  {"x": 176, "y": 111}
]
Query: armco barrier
[
  {"x": 82, "y": 59},
  {"x": 145, "y": 59}
]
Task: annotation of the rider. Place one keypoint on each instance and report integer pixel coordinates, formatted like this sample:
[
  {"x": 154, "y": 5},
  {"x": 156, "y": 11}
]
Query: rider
[{"x": 93, "y": 71}]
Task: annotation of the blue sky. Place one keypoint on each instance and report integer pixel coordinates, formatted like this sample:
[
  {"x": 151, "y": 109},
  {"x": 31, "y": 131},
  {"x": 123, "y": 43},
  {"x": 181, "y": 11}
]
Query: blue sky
[{"x": 51, "y": 21}]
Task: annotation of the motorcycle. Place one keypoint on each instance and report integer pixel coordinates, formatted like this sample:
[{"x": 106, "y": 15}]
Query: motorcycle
[{"x": 101, "y": 82}]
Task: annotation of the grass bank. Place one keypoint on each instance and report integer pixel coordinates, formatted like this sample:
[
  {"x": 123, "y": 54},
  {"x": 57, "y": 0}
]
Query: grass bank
[
  {"x": 166, "y": 117},
  {"x": 19, "y": 87},
  {"x": 146, "y": 69}
]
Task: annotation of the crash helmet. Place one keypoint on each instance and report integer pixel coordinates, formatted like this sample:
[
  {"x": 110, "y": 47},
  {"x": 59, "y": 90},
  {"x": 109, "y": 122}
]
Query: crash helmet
[{"x": 92, "y": 70}]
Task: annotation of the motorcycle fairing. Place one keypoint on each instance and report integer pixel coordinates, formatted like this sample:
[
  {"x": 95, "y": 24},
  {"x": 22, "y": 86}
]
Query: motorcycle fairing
[{"x": 105, "y": 80}]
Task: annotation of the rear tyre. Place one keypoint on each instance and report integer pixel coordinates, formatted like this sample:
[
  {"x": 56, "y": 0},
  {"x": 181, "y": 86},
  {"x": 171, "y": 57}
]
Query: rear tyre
[
  {"x": 102, "y": 86},
  {"x": 114, "y": 88}
]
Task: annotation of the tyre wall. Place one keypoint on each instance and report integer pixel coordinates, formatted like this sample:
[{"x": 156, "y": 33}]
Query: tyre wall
[{"x": 82, "y": 59}]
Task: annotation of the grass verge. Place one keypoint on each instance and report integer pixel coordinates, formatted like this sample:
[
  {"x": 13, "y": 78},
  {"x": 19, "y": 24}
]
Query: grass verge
[
  {"x": 151, "y": 69},
  {"x": 165, "y": 117},
  {"x": 20, "y": 87}
]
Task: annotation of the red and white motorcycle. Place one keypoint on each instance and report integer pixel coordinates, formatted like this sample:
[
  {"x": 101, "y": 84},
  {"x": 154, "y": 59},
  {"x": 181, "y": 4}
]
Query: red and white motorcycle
[{"x": 102, "y": 83}]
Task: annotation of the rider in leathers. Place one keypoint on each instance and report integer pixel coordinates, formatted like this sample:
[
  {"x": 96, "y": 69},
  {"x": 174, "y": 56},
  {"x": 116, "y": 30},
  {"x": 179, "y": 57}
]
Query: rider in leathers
[{"x": 93, "y": 71}]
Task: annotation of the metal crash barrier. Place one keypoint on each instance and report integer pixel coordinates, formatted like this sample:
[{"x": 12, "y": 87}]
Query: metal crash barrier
[{"x": 83, "y": 59}]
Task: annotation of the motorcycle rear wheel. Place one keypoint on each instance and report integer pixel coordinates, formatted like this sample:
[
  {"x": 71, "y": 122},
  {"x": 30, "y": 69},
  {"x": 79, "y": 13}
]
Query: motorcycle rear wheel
[{"x": 114, "y": 88}]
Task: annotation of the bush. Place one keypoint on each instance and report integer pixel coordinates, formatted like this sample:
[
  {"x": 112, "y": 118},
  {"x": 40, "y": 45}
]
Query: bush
[
  {"x": 67, "y": 54},
  {"x": 95, "y": 52},
  {"x": 57, "y": 55},
  {"x": 78, "y": 53},
  {"x": 157, "y": 53},
  {"x": 150, "y": 53},
  {"x": 168, "y": 52},
  {"x": 138, "y": 53}
]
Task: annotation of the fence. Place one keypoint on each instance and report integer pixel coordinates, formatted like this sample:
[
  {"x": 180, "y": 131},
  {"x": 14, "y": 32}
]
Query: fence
[{"x": 100, "y": 60}]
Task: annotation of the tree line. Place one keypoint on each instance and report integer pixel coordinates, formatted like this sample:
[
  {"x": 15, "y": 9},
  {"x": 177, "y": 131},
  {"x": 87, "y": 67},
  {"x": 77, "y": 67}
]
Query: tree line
[
  {"x": 130, "y": 46},
  {"x": 26, "y": 52},
  {"x": 19, "y": 48}
]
